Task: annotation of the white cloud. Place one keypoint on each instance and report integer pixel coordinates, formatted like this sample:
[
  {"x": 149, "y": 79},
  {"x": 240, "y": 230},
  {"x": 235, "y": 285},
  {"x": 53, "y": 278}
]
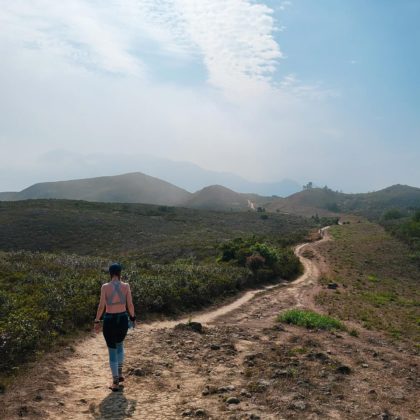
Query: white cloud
[
  {"x": 85, "y": 33},
  {"x": 297, "y": 88},
  {"x": 285, "y": 4},
  {"x": 233, "y": 38}
]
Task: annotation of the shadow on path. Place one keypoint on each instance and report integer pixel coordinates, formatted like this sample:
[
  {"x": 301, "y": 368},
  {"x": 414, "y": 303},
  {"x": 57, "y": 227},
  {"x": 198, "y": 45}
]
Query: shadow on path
[{"x": 116, "y": 406}]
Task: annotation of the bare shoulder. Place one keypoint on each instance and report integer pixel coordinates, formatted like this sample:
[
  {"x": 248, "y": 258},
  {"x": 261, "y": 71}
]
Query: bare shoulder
[{"x": 126, "y": 285}]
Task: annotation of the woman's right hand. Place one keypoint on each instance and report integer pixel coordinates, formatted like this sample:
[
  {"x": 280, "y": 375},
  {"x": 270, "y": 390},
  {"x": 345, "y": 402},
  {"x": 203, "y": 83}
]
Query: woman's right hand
[{"x": 97, "y": 327}]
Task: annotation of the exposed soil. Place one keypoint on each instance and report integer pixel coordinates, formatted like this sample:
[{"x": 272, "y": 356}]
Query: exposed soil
[{"x": 243, "y": 365}]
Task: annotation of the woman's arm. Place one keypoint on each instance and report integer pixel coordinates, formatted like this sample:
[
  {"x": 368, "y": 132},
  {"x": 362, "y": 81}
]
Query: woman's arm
[
  {"x": 101, "y": 306},
  {"x": 130, "y": 305}
]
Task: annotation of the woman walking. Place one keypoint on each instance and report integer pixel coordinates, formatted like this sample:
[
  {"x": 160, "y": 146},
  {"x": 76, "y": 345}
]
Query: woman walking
[{"x": 116, "y": 300}]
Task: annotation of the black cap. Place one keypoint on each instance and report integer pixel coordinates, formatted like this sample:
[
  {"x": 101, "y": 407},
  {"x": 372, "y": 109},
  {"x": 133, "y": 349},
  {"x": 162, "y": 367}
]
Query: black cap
[{"x": 115, "y": 269}]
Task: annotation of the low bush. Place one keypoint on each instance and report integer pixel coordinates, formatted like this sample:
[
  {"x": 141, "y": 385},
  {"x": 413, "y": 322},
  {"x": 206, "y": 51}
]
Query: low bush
[
  {"x": 255, "y": 262},
  {"x": 280, "y": 261},
  {"x": 311, "y": 320}
]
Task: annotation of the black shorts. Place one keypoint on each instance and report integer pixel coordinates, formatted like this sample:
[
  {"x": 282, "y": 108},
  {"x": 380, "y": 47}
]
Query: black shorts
[{"x": 115, "y": 328}]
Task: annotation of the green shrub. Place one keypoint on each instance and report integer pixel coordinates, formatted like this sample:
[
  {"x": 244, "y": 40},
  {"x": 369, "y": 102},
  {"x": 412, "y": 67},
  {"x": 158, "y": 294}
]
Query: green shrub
[
  {"x": 255, "y": 262},
  {"x": 407, "y": 229},
  {"x": 392, "y": 214},
  {"x": 281, "y": 261},
  {"x": 287, "y": 265},
  {"x": 266, "y": 251},
  {"x": 310, "y": 319},
  {"x": 333, "y": 207}
]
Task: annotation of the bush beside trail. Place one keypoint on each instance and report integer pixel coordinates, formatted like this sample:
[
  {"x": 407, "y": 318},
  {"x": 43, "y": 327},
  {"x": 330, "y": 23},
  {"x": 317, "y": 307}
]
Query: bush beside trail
[
  {"x": 44, "y": 297},
  {"x": 251, "y": 253}
]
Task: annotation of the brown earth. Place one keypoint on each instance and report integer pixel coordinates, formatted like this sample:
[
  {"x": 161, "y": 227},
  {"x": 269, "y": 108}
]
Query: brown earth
[{"x": 244, "y": 365}]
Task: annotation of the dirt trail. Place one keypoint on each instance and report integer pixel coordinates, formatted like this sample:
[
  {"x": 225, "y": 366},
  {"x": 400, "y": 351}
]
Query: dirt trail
[{"x": 176, "y": 373}]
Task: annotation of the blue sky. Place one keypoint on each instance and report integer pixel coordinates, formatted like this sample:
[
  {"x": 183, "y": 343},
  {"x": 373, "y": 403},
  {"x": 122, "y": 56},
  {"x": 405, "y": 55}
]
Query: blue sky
[
  {"x": 326, "y": 91},
  {"x": 368, "y": 50}
]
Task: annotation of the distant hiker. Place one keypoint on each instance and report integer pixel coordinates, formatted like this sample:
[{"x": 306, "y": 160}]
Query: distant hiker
[{"x": 116, "y": 299}]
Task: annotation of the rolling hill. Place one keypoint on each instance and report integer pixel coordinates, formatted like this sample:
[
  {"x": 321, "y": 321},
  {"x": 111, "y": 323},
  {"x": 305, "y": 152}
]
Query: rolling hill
[
  {"x": 135, "y": 188},
  {"x": 140, "y": 188},
  {"x": 217, "y": 197},
  {"x": 326, "y": 202},
  {"x": 61, "y": 165},
  {"x": 128, "y": 188}
]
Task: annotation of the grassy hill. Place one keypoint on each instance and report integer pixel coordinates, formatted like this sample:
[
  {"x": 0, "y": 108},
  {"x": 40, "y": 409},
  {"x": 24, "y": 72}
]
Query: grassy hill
[
  {"x": 326, "y": 201},
  {"x": 217, "y": 197},
  {"x": 129, "y": 188}
]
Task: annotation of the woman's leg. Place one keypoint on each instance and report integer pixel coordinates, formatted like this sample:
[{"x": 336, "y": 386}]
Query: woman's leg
[
  {"x": 120, "y": 357},
  {"x": 113, "y": 364},
  {"x": 120, "y": 336},
  {"x": 109, "y": 335}
]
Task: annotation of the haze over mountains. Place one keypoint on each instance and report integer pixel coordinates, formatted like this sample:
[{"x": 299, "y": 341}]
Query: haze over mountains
[
  {"x": 63, "y": 165},
  {"x": 141, "y": 188},
  {"x": 133, "y": 188}
]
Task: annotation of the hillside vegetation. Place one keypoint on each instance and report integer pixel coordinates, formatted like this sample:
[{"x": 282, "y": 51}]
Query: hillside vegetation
[
  {"x": 56, "y": 253},
  {"x": 371, "y": 205},
  {"x": 160, "y": 233},
  {"x": 406, "y": 227},
  {"x": 378, "y": 282}
]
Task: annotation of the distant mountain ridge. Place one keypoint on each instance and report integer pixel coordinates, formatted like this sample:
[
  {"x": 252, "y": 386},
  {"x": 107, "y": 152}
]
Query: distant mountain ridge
[
  {"x": 133, "y": 188},
  {"x": 138, "y": 187},
  {"x": 63, "y": 165}
]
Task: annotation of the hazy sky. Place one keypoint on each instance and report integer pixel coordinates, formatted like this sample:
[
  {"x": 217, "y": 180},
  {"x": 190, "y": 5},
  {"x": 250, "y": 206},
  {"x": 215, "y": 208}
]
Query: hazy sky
[{"x": 322, "y": 90}]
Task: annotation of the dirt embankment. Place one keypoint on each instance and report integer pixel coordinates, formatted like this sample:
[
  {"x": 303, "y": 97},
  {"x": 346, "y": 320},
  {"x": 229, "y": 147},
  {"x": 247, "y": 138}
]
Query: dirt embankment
[{"x": 243, "y": 365}]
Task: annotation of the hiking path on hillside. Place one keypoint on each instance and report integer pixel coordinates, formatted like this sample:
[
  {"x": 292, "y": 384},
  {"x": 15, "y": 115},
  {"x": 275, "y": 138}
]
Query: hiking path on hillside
[{"x": 174, "y": 372}]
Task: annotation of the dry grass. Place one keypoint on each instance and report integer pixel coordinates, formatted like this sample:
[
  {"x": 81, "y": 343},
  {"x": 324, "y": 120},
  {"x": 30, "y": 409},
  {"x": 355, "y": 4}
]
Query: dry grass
[{"x": 378, "y": 283}]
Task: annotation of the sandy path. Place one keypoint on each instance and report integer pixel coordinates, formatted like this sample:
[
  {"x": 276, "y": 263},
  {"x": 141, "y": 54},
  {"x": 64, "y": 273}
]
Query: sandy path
[{"x": 169, "y": 375}]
